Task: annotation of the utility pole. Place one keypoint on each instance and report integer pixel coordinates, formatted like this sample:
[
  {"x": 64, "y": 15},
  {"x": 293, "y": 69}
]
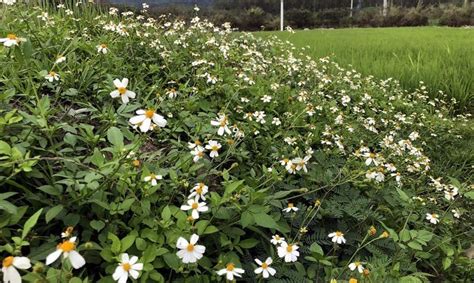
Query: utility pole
[
  {"x": 282, "y": 14},
  {"x": 352, "y": 7}
]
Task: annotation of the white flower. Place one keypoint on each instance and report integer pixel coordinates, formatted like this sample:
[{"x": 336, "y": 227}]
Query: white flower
[
  {"x": 371, "y": 158},
  {"x": 276, "y": 121},
  {"x": 68, "y": 249},
  {"x": 196, "y": 207},
  {"x": 198, "y": 153},
  {"x": 337, "y": 237},
  {"x": 266, "y": 99},
  {"x": 60, "y": 59},
  {"x": 122, "y": 90},
  {"x": 102, "y": 48},
  {"x": 145, "y": 118},
  {"x": 52, "y": 76},
  {"x": 196, "y": 8},
  {"x": 432, "y": 218},
  {"x": 288, "y": 251},
  {"x": 11, "y": 40},
  {"x": 153, "y": 178},
  {"x": 172, "y": 93},
  {"x": 192, "y": 145},
  {"x": 213, "y": 146},
  {"x": 199, "y": 191},
  {"x": 291, "y": 207},
  {"x": 8, "y": 2},
  {"x": 127, "y": 267},
  {"x": 456, "y": 213},
  {"x": 10, "y": 264},
  {"x": 190, "y": 252},
  {"x": 276, "y": 239},
  {"x": 357, "y": 265},
  {"x": 230, "y": 271},
  {"x": 301, "y": 163},
  {"x": 449, "y": 195},
  {"x": 222, "y": 122},
  {"x": 265, "y": 268}
]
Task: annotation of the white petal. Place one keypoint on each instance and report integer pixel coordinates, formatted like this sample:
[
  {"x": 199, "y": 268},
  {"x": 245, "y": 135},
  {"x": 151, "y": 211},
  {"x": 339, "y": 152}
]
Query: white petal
[
  {"x": 119, "y": 271},
  {"x": 265, "y": 273},
  {"x": 52, "y": 257},
  {"x": 271, "y": 270},
  {"x": 124, "y": 258},
  {"x": 137, "y": 266},
  {"x": 130, "y": 94},
  {"x": 140, "y": 112},
  {"x": 195, "y": 214},
  {"x": 118, "y": 83},
  {"x": 133, "y": 260},
  {"x": 258, "y": 270},
  {"x": 200, "y": 249},
  {"x": 134, "y": 274},
  {"x": 230, "y": 276},
  {"x": 194, "y": 239},
  {"x": 124, "y": 82},
  {"x": 11, "y": 275},
  {"x": 115, "y": 93},
  {"x": 159, "y": 120},
  {"x": 125, "y": 99},
  {"x": 137, "y": 119},
  {"x": 123, "y": 278},
  {"x": 182, "y": 243},
  {"x": 77, "y": 261},
  {"x": 222, "y": 271},
  {"x": 259, "y": 262},
  {"x": 220, "y": 132},
  {"x": 145, "y": 126},
  {"x": 21, "y": 262},
  {"x": 269, "y": 261}
]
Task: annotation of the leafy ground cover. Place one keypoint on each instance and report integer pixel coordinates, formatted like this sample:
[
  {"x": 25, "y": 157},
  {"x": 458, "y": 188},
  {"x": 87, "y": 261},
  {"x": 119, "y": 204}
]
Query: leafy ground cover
[
  {"x": 144, "y": 149},
  {"x": 441, "y": 57}
]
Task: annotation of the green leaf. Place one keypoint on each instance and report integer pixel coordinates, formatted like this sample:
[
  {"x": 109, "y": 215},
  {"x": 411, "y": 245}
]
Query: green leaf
[
  {"x": 315, "y": 248},
  {"x": 410, "y": 279},
  {"x": 469, "y": 194},
  {"x": 249, "y": 243},
  {"x": 53, "y": 212},
  {"x": 30, "y": 223},
  {"x": 8, "y": 207},
  {"x": 166, "y": 213},
  {"x": 424, "y": 235},
  {"x": 414, "y": 245},
  {"x": 116, "y": 244},
  {"x": 403, "y": 195},
  {"x": 5, "y": 148},
  {"x": 265, "y": 220},
  {"x": 115, "y": 136},
  {"x": 246, "y": 219},
  {"x": 230, "y": 188},
  {"x": 405, "y": 235},
  {"x": 127, "y": 242},
  {"x": 446, "y": 263},
  {"x": 97, "y": 225}
]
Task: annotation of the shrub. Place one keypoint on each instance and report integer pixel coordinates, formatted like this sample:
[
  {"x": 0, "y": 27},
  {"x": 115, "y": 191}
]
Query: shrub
[
  {"x": 414, "y": 17},
  {"x": 300, "y": 18},
  {"x": 456, "y": 17},
  {"x": 114, "y": 126}
]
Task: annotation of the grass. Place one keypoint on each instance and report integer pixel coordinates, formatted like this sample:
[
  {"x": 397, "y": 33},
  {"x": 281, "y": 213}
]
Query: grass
[{"x": 441, "y": 57}]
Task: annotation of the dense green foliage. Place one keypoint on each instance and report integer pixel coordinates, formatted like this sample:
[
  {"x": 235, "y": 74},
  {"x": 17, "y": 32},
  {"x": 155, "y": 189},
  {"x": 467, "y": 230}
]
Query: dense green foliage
[
  {"x": 286, "y": 145},
  {"x": 443, "y": 58}
]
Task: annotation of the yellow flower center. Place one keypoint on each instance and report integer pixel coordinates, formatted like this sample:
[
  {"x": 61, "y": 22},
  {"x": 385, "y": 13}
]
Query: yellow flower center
[
  {"x": 352, "y": 280},
  {"x": 152, "y": 176},
  {"x": 52, "y": 74},
  {"x": 277, "y": 238},
  {"x": 11, "y": 36},
  {"x": 200, "y": 154},
  {"x": 197, "y": 142},
  {"x": 149, "y": 113},
  {"x": 122, "y": 90},
  {"x": 214, "y": 148},
  {"x": 372, "y": 155},
  {"x": 339, "y": 234},
  {"x": 126, "y": 266},
  {"x": 190, "y": 248},
  {"x": 290, "y": 205},
  {"x": 8, "y": 261},
  {"x": 230, "y": 267},
  {"x": 199, "y": 188},
  {"x": 224, "y": 122},
  {"x": 434, "y": 215},
  {"x": 195, "y": 205},
  {"x": 103, "y": 46},
  {"x": 67, "y": 246},
  {"x": 357, "y": 263},
  {"x": 264, "y": 265},
  {"x": 289, "y": 248}
]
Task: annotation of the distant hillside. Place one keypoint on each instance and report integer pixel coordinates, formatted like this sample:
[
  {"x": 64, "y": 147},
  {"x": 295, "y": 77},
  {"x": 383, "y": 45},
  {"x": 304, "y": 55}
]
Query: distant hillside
[{"x": 200, "y": 3}]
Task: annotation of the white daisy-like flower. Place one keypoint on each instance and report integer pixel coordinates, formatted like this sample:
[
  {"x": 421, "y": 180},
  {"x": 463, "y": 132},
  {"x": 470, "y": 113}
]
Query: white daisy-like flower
[
  {"x": 301, "y": 163},
  {"x": 52, "y": 76},
  {"x": 276, "y": 240},
  {"x": 276, "y": 121},
  {"x": 291, "y": 207},
  {"x": 145, "y": 118},
  {"x": 288, "y": 251},
  {"x": 128, "y": 267},
  {"x": 337, "y": 237},
  {"x": 456, "y": 213},
  {"x": 222, "y": 123},
  {"x": 102, "y": 48},
  {"x": 433, "y": 218},
  {"x": 266, "y": 99},
  {"x": 356, "y": 265},
  {"x": 198, "y": 153},
  {"x": 230, "y": 271},
  {"x": 196, "y": 207},
  {"x": 122, "y": 91},
  {"x": 214, "y": 147},
  {"x": 371, "y": 157},
  {"x": 190, "y": 252},
  {"x": 11, "y": 40},
  {"x": 152, "y": 178},
  {"x": 449, "y": 195},
  {"x": 192, "y": 145},
  {"x": 199, "y": 191},
  {"x": 68, "y": 250},
  {"x": 10, "y": 265},
  {"x": 265, "y": 268}
]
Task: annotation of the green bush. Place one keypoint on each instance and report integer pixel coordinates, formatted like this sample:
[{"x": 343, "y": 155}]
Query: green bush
[
  {"x": 456, "y": 17},
  {"x": 112, "y": 124}
]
